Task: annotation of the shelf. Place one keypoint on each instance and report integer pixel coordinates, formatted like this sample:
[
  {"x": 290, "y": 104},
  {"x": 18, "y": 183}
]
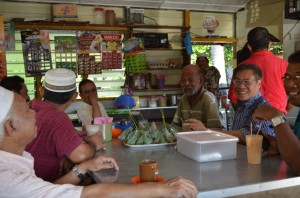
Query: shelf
[
  {"x": 87, "y": 26},
  {"x": 214, "y": 40},
  {"x": 68, "y": 26}
]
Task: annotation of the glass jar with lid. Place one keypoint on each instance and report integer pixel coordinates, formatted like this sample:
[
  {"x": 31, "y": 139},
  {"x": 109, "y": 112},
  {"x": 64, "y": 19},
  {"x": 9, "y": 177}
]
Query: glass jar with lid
[
  {"x": 110, "y": 17},
  {"x": 99, "y": 16}
]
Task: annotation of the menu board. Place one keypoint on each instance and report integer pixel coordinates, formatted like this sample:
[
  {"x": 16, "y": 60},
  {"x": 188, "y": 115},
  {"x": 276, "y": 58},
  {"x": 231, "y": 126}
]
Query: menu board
[
  {"x": 89, "y": 52},
  {"x": 36, "y": 52},
  {"x": 112, "y": 51},
  {"x": 65, "y": 52}
]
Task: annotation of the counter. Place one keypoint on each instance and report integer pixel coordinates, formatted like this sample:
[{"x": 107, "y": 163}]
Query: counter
[{"x": 213, "y": 179}]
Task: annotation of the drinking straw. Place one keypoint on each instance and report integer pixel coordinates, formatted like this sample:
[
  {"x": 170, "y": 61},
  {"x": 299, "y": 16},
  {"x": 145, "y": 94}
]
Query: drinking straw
[
  {"x": 250, "y": 128},
  {"x": 259, "y": 128}
]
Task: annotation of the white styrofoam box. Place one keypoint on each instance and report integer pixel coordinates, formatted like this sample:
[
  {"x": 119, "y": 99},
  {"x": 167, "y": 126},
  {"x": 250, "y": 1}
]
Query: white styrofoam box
[{"x": 208, "y": 145}]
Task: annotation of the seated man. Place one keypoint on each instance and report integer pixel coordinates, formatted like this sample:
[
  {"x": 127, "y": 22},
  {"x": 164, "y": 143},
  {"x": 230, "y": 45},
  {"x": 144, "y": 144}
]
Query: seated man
[
  {"x": 18, "y": 179},
  {"x": 246, "y": 82},
  {"x": 56, "y": 136},
  {"x": 197, "y": 102},
  {"x": 287, "y": 140},
  {"x": 15, "y": 84},
  {"x": 89, "y": 106}
]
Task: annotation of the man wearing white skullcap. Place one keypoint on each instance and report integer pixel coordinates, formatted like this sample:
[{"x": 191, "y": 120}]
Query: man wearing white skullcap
[
  {"x": 18, "y": 179},
  {"x": 57, "y": 138},
  {"x": 211, "y": 75}
]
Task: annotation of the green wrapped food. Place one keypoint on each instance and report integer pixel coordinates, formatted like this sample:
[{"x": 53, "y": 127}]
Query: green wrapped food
[
  {"x": 132, "y": 138},
  {"x": 147, "y": 137},
  {"x": 125, "y": 134},
  {"x": 140, "y": 139}
]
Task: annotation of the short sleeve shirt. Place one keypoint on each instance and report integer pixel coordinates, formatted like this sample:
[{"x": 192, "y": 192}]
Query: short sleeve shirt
[
  {"x": 205, "y": 109},
  {"x": 56, "y": 138}
]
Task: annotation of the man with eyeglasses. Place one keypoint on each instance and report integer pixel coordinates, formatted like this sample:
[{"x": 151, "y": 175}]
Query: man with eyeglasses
[
  {"x": 246, "y": 83},
  {"x": 272, "y": 88},
  {"x": 286, "y": 138}
]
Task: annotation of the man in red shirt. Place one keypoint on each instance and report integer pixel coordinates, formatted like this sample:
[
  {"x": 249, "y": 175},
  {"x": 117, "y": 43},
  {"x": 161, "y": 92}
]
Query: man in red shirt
[
  {"x": 56, "y": 136},
  {"x": 273, "y": 69}
]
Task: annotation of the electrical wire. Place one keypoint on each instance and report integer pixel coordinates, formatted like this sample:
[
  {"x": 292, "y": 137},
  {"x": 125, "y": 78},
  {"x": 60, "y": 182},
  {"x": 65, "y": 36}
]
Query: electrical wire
[{"x": 288, "y": 33}]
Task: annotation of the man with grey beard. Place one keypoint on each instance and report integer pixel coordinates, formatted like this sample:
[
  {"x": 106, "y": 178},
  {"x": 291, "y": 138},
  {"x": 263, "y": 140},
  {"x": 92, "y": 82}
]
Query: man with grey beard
[{"x": 197, "y": 103}]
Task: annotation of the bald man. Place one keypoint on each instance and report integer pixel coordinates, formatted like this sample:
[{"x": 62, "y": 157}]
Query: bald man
[{"x": 196, "y": 103}]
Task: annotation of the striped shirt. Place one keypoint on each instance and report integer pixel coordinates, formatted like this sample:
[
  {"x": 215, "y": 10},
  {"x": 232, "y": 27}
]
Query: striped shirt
[{"x": 243, "y": 117}]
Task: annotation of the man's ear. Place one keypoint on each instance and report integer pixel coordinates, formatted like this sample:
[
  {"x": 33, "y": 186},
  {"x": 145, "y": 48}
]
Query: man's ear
[
  {"x": 9, "y": 128},
  {"x": 41, "y": 90},
  {"x": 74, "y": 96}
]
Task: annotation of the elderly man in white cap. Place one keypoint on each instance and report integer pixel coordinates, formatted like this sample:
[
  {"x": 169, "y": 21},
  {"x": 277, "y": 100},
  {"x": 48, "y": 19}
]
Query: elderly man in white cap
[
  {"x": 56, "y": 137},
  {"x": 211, "y": 75},
  {"x": 18, "y": 179}
]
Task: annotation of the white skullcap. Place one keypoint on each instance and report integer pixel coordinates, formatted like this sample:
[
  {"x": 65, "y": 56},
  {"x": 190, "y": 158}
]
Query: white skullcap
[
  {"x": 201, "y": 55},
  {"x": 60, "y": 80},
  {"x": 6, "y": 100}
]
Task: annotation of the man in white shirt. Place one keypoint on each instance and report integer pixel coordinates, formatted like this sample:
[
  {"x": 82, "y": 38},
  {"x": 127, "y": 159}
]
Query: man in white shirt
[
  {"x": 89, "y": 108},
  {"x": 17, "y": 175}
]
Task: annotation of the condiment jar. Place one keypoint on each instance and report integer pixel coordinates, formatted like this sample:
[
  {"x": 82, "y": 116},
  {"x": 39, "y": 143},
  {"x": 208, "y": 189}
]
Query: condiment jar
[
  {"x": 110, "y": 18},
  {"x": 99, "y": 16},
  {"x": 152, "y": 102}
]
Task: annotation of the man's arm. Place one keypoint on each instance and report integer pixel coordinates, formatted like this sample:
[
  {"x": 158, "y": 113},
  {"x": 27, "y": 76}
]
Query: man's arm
[
  {"x": 287, "y": 141},
  {"x": 95, "y": 106}
]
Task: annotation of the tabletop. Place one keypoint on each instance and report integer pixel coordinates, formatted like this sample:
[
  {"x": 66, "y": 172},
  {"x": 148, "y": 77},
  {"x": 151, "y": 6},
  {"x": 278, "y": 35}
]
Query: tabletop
[{"x": 213, "y": 179}]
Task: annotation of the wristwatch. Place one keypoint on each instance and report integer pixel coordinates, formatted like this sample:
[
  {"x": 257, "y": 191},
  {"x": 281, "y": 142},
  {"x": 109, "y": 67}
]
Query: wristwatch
[
  {"x": 278, "y": 120},
  {"x": 78, "y": 173}
]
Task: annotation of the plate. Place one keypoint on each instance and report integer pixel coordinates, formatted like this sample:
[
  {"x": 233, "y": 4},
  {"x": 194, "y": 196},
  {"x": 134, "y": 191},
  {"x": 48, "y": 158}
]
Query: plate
[
  {"x": 145, "y": 146},
  {"x": 137, "y": 179}
]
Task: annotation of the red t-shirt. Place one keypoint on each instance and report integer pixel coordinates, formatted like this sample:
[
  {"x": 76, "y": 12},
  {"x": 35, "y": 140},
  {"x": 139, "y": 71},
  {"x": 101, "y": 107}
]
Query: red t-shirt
[
  {"x": 56, "y": 138},
  {"x": 272, "y": 87}
]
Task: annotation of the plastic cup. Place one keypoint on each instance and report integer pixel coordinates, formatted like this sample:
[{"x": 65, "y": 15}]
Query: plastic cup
[
  {"x": 186, "y": 127},
  {"x": 91, "y": 129},
  {"x": 106, "y": 131},
  {"x": 254, "y": 148}
]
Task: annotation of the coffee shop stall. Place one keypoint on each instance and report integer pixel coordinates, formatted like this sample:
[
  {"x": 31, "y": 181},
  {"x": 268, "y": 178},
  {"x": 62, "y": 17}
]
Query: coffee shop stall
[{"x": 134, "y": 52}]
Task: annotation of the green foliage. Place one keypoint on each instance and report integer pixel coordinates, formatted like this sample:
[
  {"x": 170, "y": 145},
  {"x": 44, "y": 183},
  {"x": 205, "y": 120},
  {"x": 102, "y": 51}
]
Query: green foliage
[{"x": 276, "y": 49}]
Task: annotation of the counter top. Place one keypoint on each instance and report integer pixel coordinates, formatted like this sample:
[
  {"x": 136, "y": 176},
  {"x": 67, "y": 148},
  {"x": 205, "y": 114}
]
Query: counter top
[{"x": 213, "y": 179}]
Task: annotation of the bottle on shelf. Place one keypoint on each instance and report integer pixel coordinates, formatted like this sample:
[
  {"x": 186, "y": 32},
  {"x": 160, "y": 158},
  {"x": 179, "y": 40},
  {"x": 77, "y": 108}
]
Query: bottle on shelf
[
  {"x": 110, "y": 17},
  {"x": 99, "y": 16}
]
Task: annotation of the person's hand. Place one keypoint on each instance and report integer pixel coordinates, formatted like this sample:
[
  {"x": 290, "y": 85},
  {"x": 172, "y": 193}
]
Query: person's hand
[
  {"x": 93, "y": 98},
  {"x": 195, "y": 124},
  {"x": 181, "y": 187},
  {"x": 265, "y": 112},
  {"x": 273, "y": 148},
  {"x": 96, "y": 140},
  {"x": 98, "y": 163}
]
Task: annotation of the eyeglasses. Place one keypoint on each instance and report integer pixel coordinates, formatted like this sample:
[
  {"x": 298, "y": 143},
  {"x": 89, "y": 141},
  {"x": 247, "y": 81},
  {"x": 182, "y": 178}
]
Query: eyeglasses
[
  {"x": 288, "y": 78},
  {"x": 247, "y": 82}
]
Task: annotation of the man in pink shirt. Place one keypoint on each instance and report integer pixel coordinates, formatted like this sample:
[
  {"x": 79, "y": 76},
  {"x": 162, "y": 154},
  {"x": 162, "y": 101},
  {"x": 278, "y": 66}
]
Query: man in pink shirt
[
  {"x": 273, "y": 69},
  {"x": 56, "y": 137}
]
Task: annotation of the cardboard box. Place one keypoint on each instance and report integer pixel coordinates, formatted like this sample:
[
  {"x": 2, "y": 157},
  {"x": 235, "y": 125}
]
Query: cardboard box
[
  {"x": 204, "y": 146},
  {"x": 65, "y": 12}
]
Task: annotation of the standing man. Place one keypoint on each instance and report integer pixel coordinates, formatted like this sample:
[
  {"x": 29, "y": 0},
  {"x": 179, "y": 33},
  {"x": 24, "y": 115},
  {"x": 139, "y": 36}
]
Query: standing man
[
  {"x": 197, "y": 102},
  {"x": 89, "y": 106},
  {"x": 56, "y": 135},
  {"x": 286, "y": 139},
  {"x": 211, "y": 75},
  {"x": 273, "y": 69},
  {"x": 17, "y": 85}
]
